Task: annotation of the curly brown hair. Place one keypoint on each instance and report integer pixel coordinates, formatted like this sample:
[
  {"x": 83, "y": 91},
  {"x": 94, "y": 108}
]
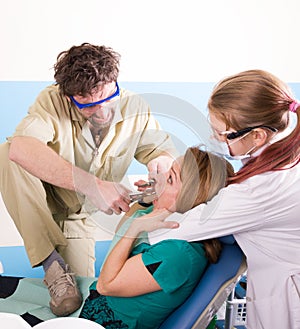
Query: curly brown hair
[{"x": 81, "y": 69}]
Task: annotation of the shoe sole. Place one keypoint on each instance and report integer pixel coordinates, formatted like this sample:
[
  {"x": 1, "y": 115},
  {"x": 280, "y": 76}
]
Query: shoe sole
[{"x": 67, "y": 307}]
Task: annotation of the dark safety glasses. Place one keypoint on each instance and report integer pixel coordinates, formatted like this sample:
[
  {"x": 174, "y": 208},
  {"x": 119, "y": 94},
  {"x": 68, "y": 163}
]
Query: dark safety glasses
[{"x": 235, "y": 134}]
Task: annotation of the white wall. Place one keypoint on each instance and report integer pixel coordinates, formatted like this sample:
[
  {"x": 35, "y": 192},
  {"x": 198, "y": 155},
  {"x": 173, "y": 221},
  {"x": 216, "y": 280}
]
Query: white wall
[{"x": 160, "y": 40}]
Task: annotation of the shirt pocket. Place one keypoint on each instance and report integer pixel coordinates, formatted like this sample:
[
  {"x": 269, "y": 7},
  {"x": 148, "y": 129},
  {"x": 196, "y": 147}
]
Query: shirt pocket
[{"x": 115, "y": 167}]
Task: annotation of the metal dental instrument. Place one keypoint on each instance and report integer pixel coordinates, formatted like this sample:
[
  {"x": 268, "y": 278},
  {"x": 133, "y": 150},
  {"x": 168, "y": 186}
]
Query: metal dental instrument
[
  {"x": 150, "y": 183},
  {"x": 146, "y": 196}
]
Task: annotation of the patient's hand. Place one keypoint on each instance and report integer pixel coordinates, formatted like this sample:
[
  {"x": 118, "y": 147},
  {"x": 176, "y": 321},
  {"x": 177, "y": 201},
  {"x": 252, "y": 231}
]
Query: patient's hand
[{"x": 151, "y": 222}]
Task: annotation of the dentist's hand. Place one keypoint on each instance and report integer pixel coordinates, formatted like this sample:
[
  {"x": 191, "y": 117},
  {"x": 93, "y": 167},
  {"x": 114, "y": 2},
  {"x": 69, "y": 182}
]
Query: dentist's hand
[
  {"x": 141, "y": 185},
  {"x": 109, "y": 197}
]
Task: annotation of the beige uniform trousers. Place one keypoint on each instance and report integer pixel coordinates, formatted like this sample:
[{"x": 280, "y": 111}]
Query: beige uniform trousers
[{"x": 41, "y": 214}]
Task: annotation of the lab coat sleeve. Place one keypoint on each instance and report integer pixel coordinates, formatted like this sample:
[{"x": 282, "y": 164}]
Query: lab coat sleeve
[{"x": 235, "y": 209}]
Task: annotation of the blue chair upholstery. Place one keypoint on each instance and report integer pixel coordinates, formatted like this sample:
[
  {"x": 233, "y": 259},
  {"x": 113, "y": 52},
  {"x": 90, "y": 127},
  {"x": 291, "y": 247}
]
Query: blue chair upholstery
[{"x": 212, "y": 290}]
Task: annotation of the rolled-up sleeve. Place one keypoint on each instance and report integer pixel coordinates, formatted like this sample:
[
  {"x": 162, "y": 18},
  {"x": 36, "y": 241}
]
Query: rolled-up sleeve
[{"x": 42, "y": 120}]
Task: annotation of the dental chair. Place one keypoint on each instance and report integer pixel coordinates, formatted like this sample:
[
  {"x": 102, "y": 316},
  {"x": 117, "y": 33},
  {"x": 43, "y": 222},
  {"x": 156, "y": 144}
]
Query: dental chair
[
  {"x": 216, "y": 284},
  {"x": 212, "y": 290}
]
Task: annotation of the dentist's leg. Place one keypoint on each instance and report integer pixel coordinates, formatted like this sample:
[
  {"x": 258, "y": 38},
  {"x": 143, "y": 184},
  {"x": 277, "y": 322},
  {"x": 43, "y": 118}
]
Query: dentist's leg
[
  {"x": 27, "y": 203},
  {"x": 25, "y": 199}
]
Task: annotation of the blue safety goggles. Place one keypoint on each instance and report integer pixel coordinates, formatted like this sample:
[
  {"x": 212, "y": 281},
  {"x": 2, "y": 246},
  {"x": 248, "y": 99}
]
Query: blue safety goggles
[{"x": 82, "y": 106}]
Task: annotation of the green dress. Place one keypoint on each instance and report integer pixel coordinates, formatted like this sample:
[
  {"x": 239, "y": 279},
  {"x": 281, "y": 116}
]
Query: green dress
[{"x": 176, "y": 265}]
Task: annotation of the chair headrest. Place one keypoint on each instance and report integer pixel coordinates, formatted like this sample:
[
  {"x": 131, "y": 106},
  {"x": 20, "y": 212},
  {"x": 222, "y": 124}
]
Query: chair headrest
[{"x": 227, "y": 239}]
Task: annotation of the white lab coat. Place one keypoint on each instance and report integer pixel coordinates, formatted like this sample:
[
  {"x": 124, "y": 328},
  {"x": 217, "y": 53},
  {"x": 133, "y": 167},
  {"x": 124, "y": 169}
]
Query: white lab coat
[{"x": 263, "y": 214}]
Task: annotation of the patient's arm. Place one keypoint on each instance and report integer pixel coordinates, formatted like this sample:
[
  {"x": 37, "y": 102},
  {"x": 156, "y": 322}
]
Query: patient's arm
[
  {"x": 133, "y": 208},
  {"x": 125, "y": 277}
]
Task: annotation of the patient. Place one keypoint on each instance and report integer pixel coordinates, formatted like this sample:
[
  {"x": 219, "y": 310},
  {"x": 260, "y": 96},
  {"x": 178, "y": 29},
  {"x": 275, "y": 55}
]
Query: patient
[{"x": 141, "y": 284}]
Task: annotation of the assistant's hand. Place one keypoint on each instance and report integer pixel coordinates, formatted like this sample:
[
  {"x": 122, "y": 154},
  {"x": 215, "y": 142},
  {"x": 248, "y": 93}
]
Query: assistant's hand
[
  {"x": 154, "y": 221},
  {"x": 160, "y": 164}
]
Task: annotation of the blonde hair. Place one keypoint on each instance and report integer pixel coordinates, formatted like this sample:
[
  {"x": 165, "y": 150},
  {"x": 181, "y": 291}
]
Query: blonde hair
[{"x": 202, "y": 174}]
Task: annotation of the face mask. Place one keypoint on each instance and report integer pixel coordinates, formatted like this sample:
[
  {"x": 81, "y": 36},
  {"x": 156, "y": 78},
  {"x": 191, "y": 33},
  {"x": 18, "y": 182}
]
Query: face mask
[
  {"x": 222, "y": 149},
  {"x": 226, "y": 153}
]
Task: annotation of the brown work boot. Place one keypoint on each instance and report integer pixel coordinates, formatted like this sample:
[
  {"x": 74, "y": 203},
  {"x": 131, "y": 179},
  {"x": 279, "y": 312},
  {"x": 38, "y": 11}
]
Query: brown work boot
[{"x": 65, "y": 296}]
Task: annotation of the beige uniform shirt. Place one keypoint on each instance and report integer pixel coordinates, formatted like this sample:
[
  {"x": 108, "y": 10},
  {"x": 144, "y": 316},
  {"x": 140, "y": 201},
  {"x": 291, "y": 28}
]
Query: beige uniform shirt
[
  {"x": 57, "y": 122},
  {"x": 134, "y": 133}
]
